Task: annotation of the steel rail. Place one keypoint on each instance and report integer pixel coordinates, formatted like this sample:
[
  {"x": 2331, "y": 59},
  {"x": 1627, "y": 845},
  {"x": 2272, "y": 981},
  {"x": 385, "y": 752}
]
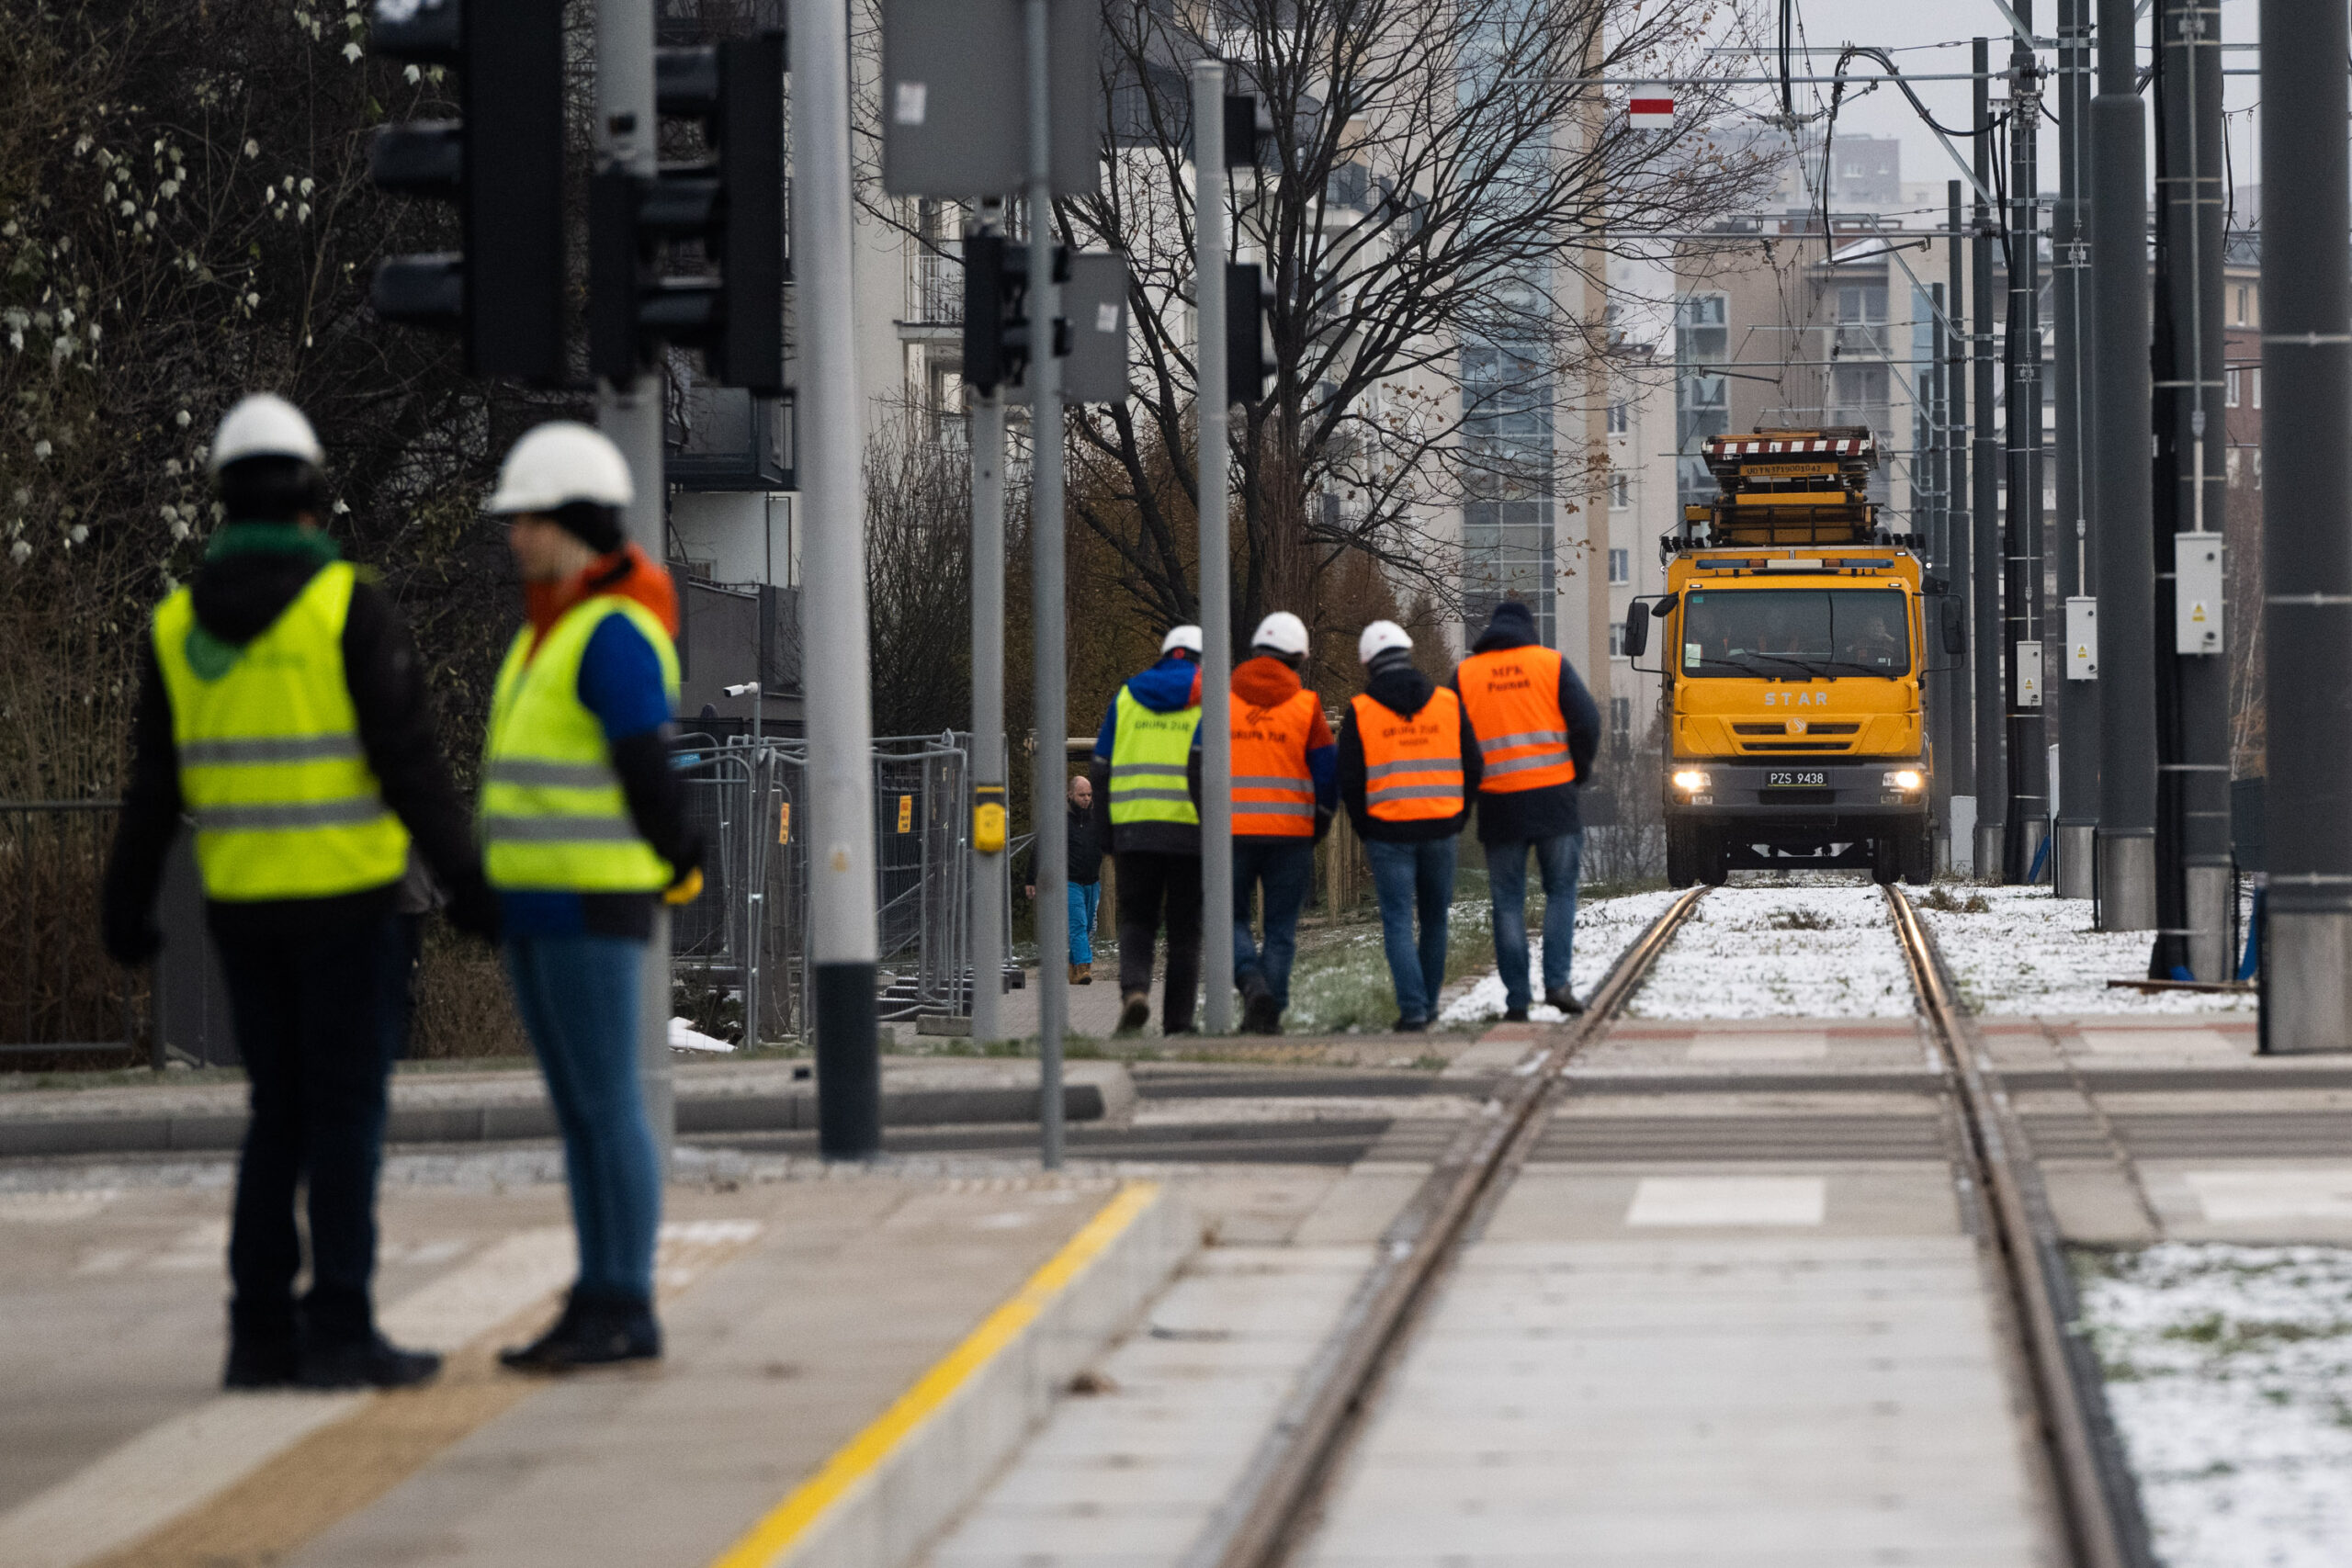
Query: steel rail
[
  {"x": 2098, "y": 1500},
  {"x": 1257, "y": 1520}
]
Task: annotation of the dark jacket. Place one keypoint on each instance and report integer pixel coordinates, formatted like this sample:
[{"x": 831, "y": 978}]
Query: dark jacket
[
  {"x": 1085, "y": 850},
  {"x": 1546, "y": 813},
  {"x": 1173, "y": 683},
  {"x": 1403, "y": 691},
  {"x": 237, "y": 597}
]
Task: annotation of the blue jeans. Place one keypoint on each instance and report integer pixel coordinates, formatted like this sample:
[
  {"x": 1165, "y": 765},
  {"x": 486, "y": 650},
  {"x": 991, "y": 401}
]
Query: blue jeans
[
  {"x": 1413, "y": 878},
  {"x": 1285, "y": 868},
  {"x": 578, "y": 997},
  {"x": 1085, "y": 897},
  {"x": 1559, "y": 861}
]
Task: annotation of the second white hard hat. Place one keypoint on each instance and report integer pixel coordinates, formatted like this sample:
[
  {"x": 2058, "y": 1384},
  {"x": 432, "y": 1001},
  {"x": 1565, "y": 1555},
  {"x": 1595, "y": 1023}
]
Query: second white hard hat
[
  {"x": 558, "y": 463},
  {"x": 1282, "y": 632},
  {"x": 1186, "y": 638},
  {"x": 1378, "y": 639},
  {"x": 265, "y": 425}
]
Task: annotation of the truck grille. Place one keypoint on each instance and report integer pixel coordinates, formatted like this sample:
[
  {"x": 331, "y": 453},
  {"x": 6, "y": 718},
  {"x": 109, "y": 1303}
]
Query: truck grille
[
  {"x": 1798, "y": 746},
  {"x": 1783, "y": 729}
]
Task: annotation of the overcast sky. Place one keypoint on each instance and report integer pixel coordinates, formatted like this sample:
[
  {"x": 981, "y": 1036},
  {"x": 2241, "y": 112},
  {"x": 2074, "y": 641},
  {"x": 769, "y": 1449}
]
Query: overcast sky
[{"x": 1917, "y": 26}]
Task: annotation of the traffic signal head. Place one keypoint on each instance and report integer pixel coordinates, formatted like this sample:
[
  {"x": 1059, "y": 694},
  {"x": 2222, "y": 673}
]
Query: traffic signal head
[
  {"x": 996, "y": 311},
  {"x": 1248, "y": 333},
  {"x": 501, "y": 163},
  {"x": 1249, "y": 130},
  {"x": 732, "y": 205}
]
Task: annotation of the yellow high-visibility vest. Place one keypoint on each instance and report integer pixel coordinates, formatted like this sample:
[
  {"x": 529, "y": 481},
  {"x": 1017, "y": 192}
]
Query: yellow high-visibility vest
[
  {"x": 271, "y": 764},
  {"x": 553, "y": 816},
  {"x": 1148, "y": 755}
]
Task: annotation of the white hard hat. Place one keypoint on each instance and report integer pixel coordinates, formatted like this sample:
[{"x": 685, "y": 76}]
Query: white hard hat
[
  {"x": 1282, "y": 632},
  {"x": 1185, "y": 638},
  {"x": 1378, "y": 639},
  {"x": 265, "y": 425},
  {"x": 558, "y": 463}
]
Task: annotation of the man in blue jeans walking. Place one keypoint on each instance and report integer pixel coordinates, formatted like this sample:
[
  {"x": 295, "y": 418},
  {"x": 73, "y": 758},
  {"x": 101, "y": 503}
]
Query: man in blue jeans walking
[
  {"x": 1540, "y": 733},
  {"x": 1408, "y": 766}
]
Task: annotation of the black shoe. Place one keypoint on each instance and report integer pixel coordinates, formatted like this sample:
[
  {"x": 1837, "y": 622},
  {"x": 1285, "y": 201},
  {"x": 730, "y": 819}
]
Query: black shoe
[
  {"x": 1261, "y": 1014},
  {"x": 594, "y": 1331},
  {"x": 372, "y": 1363},
  {"x": 1514, "y": 1015},
  {"x": 1136, "y": 1013},
  {"x": 1412, "y": 1026},
  {"x": 1566, "y": 1000},
  {"x": 255, "y": 1362}
]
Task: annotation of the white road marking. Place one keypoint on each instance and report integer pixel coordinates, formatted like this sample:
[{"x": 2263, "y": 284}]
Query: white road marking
[{"x": 1729, "y": 1201}]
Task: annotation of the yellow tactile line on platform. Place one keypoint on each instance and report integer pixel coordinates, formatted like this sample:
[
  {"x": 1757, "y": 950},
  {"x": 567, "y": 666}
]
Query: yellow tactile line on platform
[{"x": 853, "y": 1461}]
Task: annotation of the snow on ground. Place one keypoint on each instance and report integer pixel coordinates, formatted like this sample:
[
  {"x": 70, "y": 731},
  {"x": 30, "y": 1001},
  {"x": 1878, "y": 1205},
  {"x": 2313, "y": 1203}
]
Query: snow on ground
[
  {"x": 2030, "y": 952},
  {"x": 1605, "y": 928},
  {"x": 2230, "y": 1373},
  {"x": 1815, "y": 949}
]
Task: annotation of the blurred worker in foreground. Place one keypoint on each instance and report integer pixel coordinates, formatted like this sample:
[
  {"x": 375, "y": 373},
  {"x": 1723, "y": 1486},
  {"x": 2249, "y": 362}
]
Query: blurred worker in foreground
[
  {"x": 1409, "y": 764},
  {"x": 1285, "y": 789},
  {"x": 582, "y": 830},
  {"x": 282, "y": 705},
  {"x": 1143, "y": 775},
  {"x": 1538, "y": 732},
  {"x": 1085, "y": 877}
]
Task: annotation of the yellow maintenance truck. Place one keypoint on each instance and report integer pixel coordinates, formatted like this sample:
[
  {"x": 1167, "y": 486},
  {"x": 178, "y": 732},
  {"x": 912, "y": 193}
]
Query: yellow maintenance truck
[{"x": 1793, "y": 641}]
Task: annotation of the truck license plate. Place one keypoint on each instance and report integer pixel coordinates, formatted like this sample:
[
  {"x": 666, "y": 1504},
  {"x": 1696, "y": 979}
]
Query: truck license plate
[{"x": 1796, "y": 778}]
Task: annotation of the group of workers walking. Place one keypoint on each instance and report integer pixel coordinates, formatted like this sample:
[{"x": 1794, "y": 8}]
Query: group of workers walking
[
  {"x": 1511, "y": 732},
  {"x": 284, "y": 710}
]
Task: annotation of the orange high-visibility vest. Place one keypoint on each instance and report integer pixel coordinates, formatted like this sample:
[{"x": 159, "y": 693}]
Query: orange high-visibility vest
[
  {"x": 1274, "y": 794},
  {"x": 1412, "y": 767},
  {"x": 1513, "y": 698}
]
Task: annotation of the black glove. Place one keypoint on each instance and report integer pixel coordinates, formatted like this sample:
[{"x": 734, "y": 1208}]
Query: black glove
[
  {"x": 685, "y": 856},
  {"x": 473, "y": 909},
  {"x": 129, "y": 941}
]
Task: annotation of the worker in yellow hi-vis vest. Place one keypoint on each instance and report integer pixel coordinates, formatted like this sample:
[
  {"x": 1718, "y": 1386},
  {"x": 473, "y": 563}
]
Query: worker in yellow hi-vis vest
[
  {"x": 1147, "y": 781},
  {"x": 283, "y": 708},
  {"x": 582, "y": 830}
]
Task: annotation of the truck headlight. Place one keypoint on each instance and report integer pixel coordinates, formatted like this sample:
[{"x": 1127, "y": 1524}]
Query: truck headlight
[
  {"x": 1692, "y": 778},
  {"x": 1903, "y": 778}
]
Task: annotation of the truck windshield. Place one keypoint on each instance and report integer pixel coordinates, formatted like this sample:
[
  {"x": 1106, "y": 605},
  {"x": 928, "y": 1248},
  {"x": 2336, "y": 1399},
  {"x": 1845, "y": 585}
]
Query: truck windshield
[{"x": 1794, "y": 631}]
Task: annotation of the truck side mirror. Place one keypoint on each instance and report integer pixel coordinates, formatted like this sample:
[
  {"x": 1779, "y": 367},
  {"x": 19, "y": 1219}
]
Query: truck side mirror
[
  {"x": 1955, "y": 627},
  {"x": 1637, "y": 628}
]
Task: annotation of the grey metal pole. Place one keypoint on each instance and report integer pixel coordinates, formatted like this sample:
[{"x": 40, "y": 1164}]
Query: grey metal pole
[
  {"x": 990, "y": 874},
  {"x": 2307, "y": 530},
  {"x": 843, "y": 944},
  {"x": 2077, "y": 700},
  {"x": 2189, "y": 45},
  {"x": 1050, "y": 678},
  {"x": 1959, "y": 524},
  {"x": 1933, "y": 506},
  {"x": 2028, "y": 763},
  {"x": 2122, "y": 496},
  {"x": 1992, "y": 658},
  {"x": 1217, "y": 578},
  {"x": 631, "y": 416}
]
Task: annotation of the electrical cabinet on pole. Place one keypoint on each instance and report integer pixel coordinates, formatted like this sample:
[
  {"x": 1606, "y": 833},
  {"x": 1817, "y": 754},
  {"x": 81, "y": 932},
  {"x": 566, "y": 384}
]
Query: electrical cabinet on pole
[
  {"x": 2307, "y": 530},
  {"x": 2193, "y": 821},
  {"x": 1958, "y": 525},
  {"x": 2028, "y": 763},
  {"x": 2122, "y": 499},
  {"x": 1992, "y": 655},
  {"x": 2071, "y": 660}
]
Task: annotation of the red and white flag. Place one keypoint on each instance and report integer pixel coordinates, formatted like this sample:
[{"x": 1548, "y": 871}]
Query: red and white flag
[{"x": 1650, "y": 112}]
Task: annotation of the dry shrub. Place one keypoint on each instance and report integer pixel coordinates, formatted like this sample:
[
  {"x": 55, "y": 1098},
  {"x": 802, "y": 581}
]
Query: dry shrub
[{"x": 463, "y": 1006}]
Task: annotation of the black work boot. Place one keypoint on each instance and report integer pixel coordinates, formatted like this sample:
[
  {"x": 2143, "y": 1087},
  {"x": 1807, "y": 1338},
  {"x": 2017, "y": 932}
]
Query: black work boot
[
  {"x": 1261, "y": 1014},
  {"x": 594, "y": 1331},
  {"x": 261, "y": 1361},
  {"x": 1564, "y": 999},
  {"x": 372, "y": 1363}
]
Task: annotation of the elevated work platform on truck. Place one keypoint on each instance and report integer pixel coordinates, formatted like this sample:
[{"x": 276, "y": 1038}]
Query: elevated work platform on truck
[{"x": 1788, "y": 488}]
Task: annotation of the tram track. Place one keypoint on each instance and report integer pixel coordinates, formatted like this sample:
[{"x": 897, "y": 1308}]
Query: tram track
[{"x": 2082, "y": 1478}]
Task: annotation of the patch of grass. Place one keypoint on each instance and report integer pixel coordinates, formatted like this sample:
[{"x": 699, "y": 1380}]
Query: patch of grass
[
  {"x": 1799, "y": 920},
  {"x": 1941, "y": 896}
]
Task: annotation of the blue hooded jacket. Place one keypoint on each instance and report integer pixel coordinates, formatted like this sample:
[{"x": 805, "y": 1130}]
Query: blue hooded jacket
[{"x": 1173, "y": 683}]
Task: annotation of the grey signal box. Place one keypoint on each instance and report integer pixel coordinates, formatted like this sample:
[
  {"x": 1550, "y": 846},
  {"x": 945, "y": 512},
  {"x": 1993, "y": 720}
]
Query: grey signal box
[
  {"x": 2197, "y": 593},
  {"x": 1094, "y": 303},
  {"x": 956, "y": 98}
]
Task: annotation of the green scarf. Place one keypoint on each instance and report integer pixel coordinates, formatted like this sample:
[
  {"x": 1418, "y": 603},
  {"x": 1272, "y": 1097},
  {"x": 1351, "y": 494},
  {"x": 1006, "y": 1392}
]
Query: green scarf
[{"x": 272, "y": 539}]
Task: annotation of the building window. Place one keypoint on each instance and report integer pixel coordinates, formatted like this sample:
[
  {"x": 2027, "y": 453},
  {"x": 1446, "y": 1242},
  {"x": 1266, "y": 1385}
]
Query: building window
[
  {"x": 1621, "y": 491},
  {"x": 1616, "y": 639},
  {"x": 2230, "y": 383},
  {"x": 2230, "y": 461},
  {"x": 2258, "y": 467},
  {"x": 1620, "y": 418},
  {"x": 1621, "y": 719},
  {"x": 2254, "y": 375},
  {"x": 1702, "y": 394},
  {"x": 2241, "y": 315},
  {"x": 1621, "y": 566}
]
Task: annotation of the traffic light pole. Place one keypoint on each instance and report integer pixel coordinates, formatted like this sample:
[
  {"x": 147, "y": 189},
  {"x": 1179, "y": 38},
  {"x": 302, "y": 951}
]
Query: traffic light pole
[
  {"x": 1992, "y": 741},
  {"x": 1217, "y": 578},
  {"x": 840, "y": 741},
  {"x": 2078, "y": 699},
  {"x": 1050, "y": 677},
  {"x": 990, "y": 875},
  {"x": 2307, "y": 531},
  {"x": 2122, "y": 497},
  {"x": 629, "y": 413}
]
